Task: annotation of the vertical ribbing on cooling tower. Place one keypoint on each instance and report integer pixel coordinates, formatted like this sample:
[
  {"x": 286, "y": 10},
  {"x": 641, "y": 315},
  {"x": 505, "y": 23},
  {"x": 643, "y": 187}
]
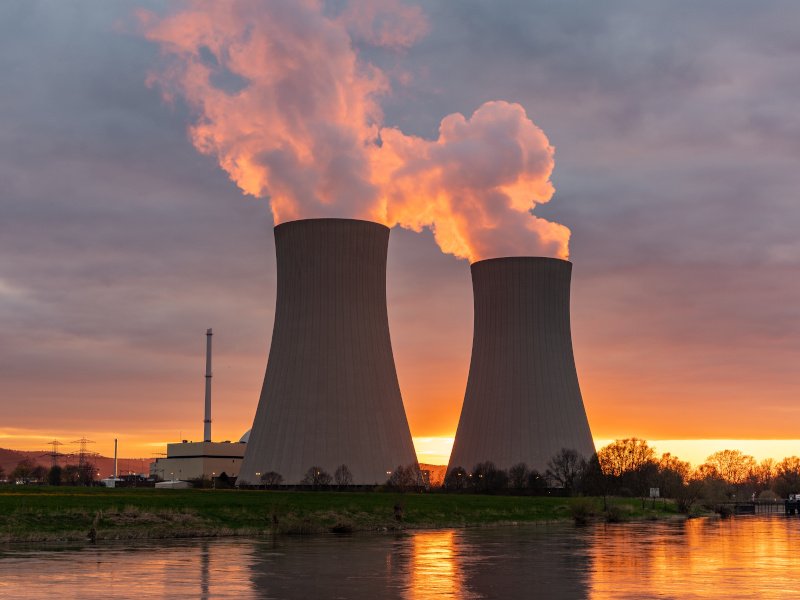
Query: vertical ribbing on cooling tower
[
  {"x": 523, "y": 402},
  {"x": 330, "y": 394}
]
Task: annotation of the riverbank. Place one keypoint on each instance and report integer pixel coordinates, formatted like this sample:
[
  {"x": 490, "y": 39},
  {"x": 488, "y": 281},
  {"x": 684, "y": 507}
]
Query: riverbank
[{"x": 43, "y": 514}]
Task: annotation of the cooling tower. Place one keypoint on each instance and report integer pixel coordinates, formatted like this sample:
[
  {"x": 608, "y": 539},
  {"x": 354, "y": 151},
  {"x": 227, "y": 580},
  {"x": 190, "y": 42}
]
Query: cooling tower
[
  {"x": 523, "y": 402},
  {"x": 330, "y": 394}
]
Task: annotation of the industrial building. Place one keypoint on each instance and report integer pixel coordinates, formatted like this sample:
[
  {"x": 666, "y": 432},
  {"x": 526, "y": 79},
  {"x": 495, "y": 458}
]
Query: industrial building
[
  {"x": 522, "y": 402},
  {"x": 330, "y": 393},
  {"x": 196, "y": 460}
]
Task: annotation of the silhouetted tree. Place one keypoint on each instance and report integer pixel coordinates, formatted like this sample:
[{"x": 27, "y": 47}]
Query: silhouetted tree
[
  {"x": 566, "y": 468},
  {"x": 317, "y": 478},
  {"x": 518, "y": 476},
  {"x": 342, "y": 476},
  {"x": 594, "y": 482},
  {"x": 764, "y": 474},
  {"x": 487, "y": 478},
  {"x": 673, "y": 474},
  {"x": 39, "y": 474},
  {"x": 787, "y": 477},
  {"x": 624, "y": 456},
  {"x": 688, "y": 494},
  {"x": 271, "y": 479},
  {"x": 23, "y": 470},
  {"x": 537, "y": 483},
  {"x": 223, "y": 481},
  {"x": 456, "y": 479},
  {"x": 71, "y": 475},
  {"x": 86, "y": 473},
  {"x": 405, "y": 479},
  {"x": 732, "y": 465},
  {"x": 54, "y": 475}
]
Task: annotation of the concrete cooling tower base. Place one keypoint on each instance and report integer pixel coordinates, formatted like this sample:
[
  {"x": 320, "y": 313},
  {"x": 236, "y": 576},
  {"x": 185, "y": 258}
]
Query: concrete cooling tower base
[
  {"x": 523, "y": 402},
  {"x": 330, "y": 394}
]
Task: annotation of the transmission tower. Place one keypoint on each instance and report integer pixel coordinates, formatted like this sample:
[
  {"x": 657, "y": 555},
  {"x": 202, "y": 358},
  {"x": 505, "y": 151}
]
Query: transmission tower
[
  {"x": 54, "y": 454},
  {"x": 83, "y": 454}
]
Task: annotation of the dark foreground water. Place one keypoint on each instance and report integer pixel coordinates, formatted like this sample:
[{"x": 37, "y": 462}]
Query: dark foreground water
[{"x": 744, "y": 557}]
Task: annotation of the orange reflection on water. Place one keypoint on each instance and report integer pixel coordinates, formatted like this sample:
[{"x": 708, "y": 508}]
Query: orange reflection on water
[
  {"x": 435, "y": 567},
  {"x": 734, "y": 558}
]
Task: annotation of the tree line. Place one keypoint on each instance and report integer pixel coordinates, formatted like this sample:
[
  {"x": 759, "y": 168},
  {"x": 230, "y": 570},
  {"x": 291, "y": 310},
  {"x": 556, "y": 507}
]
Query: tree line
[
  {"x": 630, "y": 467},
  {"x": 27, "y": 471}
]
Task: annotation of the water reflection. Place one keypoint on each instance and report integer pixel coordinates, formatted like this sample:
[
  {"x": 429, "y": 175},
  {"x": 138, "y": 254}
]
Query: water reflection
[
  {"x": 735, "y": 558},
  {"x": 750, "y": 557},
  {"x": 436, "y": 566}
]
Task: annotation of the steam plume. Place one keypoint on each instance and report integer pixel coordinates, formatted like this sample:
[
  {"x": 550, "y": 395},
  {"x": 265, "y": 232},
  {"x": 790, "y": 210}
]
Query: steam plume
[{"x": 291, "y": 112}]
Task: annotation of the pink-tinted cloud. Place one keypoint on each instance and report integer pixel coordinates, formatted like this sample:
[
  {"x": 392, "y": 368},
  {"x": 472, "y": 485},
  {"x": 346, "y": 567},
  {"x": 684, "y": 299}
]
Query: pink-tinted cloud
[{"x": 291, "y": 112}]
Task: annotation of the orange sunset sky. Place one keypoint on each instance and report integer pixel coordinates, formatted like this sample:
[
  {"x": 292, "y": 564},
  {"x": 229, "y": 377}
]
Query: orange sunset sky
[{"x": 127, "y": 227}]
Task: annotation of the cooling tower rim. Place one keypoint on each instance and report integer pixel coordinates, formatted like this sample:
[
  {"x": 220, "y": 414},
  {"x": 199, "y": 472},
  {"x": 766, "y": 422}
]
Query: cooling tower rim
[
  {"x": 329, "y": 220},
  {"x": 523, "y": 259}
]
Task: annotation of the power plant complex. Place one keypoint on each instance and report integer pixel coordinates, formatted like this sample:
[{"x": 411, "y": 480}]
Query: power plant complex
[
  {"x": 522, "y": 403},
  {"x": 330, "y": 395}
]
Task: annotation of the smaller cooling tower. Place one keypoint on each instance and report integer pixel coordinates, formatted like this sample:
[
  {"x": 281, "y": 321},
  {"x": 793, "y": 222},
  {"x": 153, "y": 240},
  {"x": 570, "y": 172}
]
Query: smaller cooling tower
[
  {"x": 330, "y": 394},
  {"x": 523, "y": 402}
]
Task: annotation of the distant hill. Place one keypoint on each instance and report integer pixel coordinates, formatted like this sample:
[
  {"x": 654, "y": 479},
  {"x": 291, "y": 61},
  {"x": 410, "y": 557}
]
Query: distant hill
[{"x": 10, "y": 458}]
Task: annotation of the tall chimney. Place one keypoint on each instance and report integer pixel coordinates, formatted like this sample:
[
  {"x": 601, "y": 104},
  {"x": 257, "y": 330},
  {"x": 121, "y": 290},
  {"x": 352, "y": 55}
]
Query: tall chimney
[
  {"x": 207, "y": 419},
  {"x": 330, "y": 394},
  {"x": 523, "y": 402},
  {"x": 115, "y": 459}
]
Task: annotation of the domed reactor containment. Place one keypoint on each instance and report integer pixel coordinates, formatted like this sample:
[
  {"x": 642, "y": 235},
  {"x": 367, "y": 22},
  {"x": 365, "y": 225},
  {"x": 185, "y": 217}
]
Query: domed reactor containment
[
  {"x": 523, "y": 402},
  {"x": 330, "y": 394}
]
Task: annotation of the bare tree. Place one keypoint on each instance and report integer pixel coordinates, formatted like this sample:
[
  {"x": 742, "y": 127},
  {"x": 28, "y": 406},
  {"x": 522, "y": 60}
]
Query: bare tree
[
  {"x": 271, "y": 479},
  {"x": 486, "y": 477},
  {"x": 624, "y": 456},
  {"x": 456, "y": 479},
  {"x": 342, "y": 476},
  {"x": 23, "y": 470},
  {"x": 518, "y": 476},
  {"x": 317, "y": 478},
  {"x": 787, "y": 476},
  {"x": 673, "y": 474},
  {"x": 732, "y": 465},
  {"x": 405, "y": 478},
  {"x": 764, "y": 474},
  {"x": 566, "y": 468}
]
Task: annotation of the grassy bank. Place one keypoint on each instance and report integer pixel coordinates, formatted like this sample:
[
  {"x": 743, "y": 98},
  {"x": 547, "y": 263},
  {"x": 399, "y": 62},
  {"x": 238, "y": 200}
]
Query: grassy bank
[{"x": 53, "y": 513}]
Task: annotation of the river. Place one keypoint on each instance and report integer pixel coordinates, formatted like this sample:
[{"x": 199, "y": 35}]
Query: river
[{"x": 742, "y": 557}]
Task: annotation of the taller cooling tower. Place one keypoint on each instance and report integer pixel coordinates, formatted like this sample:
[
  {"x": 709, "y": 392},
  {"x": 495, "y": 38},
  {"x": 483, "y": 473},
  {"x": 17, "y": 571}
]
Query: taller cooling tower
[
  {"x": 330, "y": 394},
  {"x": 523, "y": 402}
]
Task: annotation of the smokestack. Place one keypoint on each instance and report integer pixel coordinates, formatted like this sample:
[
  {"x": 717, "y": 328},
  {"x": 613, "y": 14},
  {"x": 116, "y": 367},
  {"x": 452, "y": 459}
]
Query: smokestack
[
  {"x": 207, "y": 419},
  {"x": 523, "y": 402},
  {"x": 330, "y": 394},
  {"x": 115, "y": 459}
]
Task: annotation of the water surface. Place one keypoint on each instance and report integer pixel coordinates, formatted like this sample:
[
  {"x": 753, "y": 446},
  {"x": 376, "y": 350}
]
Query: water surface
[{"x": 745, "y": 557}]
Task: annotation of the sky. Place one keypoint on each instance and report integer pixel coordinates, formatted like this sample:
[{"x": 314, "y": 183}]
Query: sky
[{"x": 676, "y": 141}]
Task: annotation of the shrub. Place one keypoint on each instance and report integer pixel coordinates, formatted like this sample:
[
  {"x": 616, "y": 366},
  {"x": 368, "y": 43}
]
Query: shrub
[
  {"x": 581, "y": 511},
  {"x": 614, "y": 514}
]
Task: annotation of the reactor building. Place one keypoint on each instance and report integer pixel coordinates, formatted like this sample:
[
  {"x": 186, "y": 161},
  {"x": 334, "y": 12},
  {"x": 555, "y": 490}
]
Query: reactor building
[
  {"x": 522, "y": 403},
  {"x": 330, "y": 393}
]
